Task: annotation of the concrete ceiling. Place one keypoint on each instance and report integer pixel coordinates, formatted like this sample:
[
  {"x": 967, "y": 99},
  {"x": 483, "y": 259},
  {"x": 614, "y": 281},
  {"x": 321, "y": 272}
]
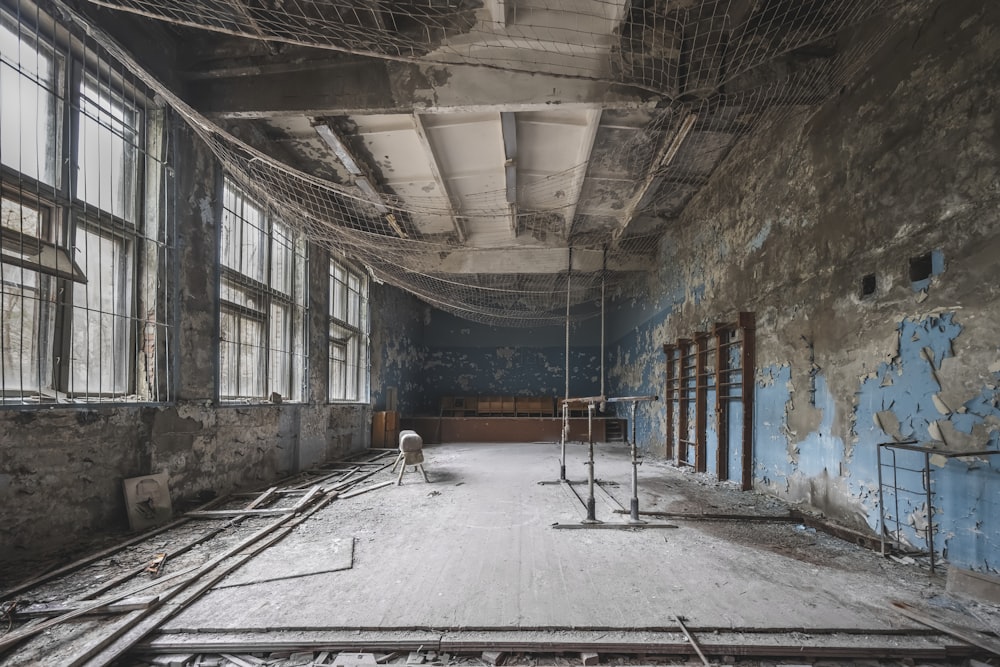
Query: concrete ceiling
[{"x": 560, "y": 138}]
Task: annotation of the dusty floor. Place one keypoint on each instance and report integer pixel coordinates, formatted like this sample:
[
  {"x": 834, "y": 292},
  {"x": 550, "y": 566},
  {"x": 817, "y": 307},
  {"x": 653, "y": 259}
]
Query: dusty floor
[{"x": 471, "y": 560}]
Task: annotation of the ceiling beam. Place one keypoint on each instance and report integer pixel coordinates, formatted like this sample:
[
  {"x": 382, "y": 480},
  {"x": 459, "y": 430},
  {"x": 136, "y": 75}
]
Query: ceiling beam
[
  {"x": 360, "y": 176},
  {"x": 668, "y": 151},
  {"x": 588, "y": 145},
  {"x": 507, "y": 261},
  {"x": 339, "y": 87},
  {"x": 508, "y": 128},
  {"x": 254, "y": 26},
  {"x": 436, "y": 175}
]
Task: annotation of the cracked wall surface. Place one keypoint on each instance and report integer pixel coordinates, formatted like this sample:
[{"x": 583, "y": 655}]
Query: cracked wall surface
[
  {"x": 61, "y": 467},
  {"x": 902, "y": 166},
  {"x": 466, "y": 358},
  {"x": 397, "y": 349}
]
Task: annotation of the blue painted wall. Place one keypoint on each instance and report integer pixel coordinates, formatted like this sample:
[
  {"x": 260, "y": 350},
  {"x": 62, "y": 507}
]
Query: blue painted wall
[
  {"x": 397, "y": 348},
  {"x": 879, "y": 176},
  {"x": 468, "y": 358},
  {"x": 964, "y": 491}
]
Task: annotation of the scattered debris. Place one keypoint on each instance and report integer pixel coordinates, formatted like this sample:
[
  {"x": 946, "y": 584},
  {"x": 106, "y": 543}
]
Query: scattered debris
[
  {"x": 352, "y": 660},
  {"x": 156, "y": 565},
  {"x": 178, "y": 660},
  {"x": 493, "y": 657},
  {"x": 590, "y": 658}
]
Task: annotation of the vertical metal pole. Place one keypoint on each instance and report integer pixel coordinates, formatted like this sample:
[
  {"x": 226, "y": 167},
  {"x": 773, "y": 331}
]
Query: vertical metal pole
[
  {"x": 895, "y": 495},
  {"x": 604, "y": 266},
  {"x": 881, "y": 499},
  {"x": 591, "y": 503},
  {"x": 634, "y": 504},
  {"x": 930, "y": 507},
  {"x": 562, "y": 464},
  {"x": 569, "y": 277},
  {"x": 565, "y": 434}
]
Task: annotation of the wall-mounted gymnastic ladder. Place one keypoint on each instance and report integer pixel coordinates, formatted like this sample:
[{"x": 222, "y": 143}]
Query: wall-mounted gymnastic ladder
[{"x": 722, "y": 361}]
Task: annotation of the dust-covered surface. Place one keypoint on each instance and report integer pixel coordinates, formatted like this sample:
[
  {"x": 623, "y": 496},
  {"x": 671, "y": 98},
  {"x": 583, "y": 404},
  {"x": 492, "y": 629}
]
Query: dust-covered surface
[{"x": 470, "y": 560}]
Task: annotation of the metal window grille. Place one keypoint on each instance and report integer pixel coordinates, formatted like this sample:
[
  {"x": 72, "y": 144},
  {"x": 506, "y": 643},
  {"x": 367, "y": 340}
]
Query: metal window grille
[
  {"x": 263, "y": 296},
  {"x": 349, "y": 329},
  {"x": 86, "y": 221}
]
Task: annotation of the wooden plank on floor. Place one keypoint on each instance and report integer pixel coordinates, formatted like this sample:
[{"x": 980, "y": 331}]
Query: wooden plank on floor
[
  {"x": 366, "y": 489},
  {"x": 262, "y": 498},
  {"x": 612, "y": 526},
  {"x": 933, "y": 621},
  {"x": 87, "y": 560}
]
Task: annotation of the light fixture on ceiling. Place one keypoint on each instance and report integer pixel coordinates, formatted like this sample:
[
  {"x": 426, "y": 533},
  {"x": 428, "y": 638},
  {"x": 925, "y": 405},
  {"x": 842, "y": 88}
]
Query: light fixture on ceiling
[
  {"x": 361, "y": 180},
  {"x": 340, "y": 150}
]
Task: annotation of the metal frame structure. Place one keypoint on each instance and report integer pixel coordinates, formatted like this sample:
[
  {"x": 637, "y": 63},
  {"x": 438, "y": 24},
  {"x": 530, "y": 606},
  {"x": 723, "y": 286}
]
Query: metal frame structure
[
  {"x": 689, "y": 377},
  {"x": 925, "y": 473},
  {"x": 591, "y": 403}
]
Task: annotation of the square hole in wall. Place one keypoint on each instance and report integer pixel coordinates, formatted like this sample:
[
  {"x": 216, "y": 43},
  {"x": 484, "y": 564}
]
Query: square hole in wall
[
  {"x": 869, "y": 284},
  {"x": 921, "y": 268}
]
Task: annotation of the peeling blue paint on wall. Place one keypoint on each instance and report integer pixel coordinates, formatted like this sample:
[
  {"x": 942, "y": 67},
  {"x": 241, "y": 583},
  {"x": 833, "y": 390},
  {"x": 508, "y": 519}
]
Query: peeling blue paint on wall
[
  {"x": 906, "y": 386},
  {"x": 635, "y": 367},
  {"x": 757, "y": 242},
  {"x": 397, "y": 350},
  {"x": 808, "y": 466},
  {"x": 510, "y": 371},
  {"x": 964, "y": 493},
  {"x": 820, "y": 451},
  {"x": 772, "y": 395}
]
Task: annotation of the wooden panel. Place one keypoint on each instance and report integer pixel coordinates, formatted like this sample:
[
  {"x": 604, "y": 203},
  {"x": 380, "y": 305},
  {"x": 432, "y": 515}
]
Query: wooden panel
[
  {"x": 385, "y": 429},
  {"x": 501, "y": 429}
]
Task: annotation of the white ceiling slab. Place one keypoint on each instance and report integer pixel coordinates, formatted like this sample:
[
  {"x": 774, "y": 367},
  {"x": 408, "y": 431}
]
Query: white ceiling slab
[
  {"x": 470, "y": 157},
  {"x": 553, "y": 150},
  {"x": 406, "y": 168},
  {"x": 448, "y": 169}
]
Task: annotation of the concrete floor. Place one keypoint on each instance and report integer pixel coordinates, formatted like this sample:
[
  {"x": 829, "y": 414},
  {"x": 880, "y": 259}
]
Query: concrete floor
[{"x": 474, "y": 548}]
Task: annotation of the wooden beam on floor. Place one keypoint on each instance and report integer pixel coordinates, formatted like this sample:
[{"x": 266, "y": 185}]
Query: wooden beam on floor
[
  {"x": 932, "y": 621},
  {"x": 612, "y": 526},
  {"x": 87, "y": 560},
  {"x": 366, "y": 489},
  {"x": 706, "y": 516}
]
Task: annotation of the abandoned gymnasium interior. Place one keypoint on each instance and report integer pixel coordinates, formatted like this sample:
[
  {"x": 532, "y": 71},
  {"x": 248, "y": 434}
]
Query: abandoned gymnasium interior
[{"x": 499, "y": 332}]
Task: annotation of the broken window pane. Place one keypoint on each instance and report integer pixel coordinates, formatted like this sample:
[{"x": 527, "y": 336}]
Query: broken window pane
[{"x": 21, "y": 218}]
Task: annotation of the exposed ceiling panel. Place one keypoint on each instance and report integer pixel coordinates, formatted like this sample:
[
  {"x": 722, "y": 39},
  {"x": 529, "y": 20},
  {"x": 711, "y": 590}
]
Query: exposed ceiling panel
[{"x": 492, "y": 137}]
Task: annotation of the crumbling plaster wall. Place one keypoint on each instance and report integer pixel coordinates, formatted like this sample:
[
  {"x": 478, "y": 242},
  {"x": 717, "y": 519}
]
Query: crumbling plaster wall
[
  {"x": 904, "y": 163},
  {"x": 61, "y": 467},
  {"x": 397, "y": 348},
  {"x": 465, "y": 358}
]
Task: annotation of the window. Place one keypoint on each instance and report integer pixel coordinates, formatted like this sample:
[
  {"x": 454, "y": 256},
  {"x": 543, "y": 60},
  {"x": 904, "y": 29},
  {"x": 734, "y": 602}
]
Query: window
[
  {"x": 263, "y": 295},
  {"x": 348, "y": 334},
  {"x": 82, "y": 173}
]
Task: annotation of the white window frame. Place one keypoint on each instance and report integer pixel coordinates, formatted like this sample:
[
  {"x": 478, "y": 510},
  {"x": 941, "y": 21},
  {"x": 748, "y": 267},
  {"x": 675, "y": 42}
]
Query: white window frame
[{"x": 349, "y": 375}]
